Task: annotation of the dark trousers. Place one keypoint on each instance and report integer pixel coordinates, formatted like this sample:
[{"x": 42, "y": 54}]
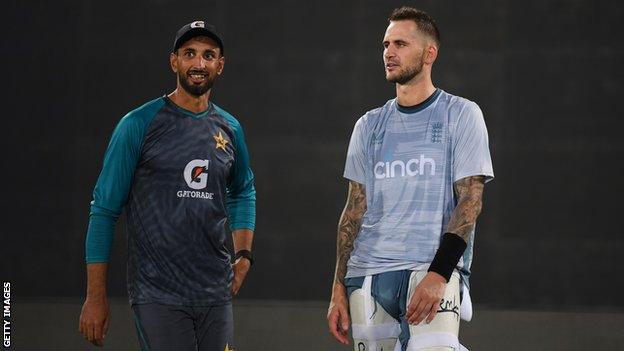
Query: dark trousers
[{"x": 184, "y": 328}]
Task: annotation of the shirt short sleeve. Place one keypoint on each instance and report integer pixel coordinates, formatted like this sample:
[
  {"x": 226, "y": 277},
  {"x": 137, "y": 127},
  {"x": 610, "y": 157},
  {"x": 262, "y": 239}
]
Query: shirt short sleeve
[
  {"x": 471, "y": 152},
  {"x": 356, "y": 155}
]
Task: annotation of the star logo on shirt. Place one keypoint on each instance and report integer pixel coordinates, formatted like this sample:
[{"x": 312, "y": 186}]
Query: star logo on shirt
[{"x": 221, "y": 141}]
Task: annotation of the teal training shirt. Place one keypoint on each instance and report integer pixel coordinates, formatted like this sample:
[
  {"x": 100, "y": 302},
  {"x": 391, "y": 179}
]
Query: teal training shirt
[{"x": 183, "y": 178}]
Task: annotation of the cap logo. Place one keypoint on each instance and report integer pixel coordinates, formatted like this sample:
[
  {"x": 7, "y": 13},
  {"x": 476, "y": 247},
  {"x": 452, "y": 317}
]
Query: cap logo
[{"x": 197, "y": 24}]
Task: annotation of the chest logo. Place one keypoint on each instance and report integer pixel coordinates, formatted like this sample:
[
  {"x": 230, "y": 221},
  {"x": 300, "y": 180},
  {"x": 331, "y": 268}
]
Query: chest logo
[
  {"x": 412, "y": 168},
  {"x": 221, "y": 141},
  {"x": 436, "y": 132},
  {"x": 196, "y": 174}
]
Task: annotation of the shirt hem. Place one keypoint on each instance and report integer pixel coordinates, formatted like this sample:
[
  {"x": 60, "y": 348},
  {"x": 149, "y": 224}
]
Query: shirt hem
[
  {"x": 488, "y": 176},
  {"x": 178, "y": 302},
  {"x": 355, "y": 179},
  {"x": 362, "y": 272}
]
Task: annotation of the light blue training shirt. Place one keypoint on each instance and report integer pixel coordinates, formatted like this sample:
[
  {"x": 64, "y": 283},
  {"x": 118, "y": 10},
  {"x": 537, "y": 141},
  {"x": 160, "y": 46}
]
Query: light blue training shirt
[{"x": 408, "y": 160}]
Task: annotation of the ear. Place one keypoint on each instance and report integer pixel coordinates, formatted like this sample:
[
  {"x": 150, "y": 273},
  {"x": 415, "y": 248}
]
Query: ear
[
  {"x": 221, "y": 65},
  {"x": 431, "y": 53},
  {"x": 173, "y": 62}
]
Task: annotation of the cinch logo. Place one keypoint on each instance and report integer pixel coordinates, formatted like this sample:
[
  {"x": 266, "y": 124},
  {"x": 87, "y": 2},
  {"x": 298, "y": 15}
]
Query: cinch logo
[
  {"x": 196, "y": 174},
  {"x": 399, "y": 168}
]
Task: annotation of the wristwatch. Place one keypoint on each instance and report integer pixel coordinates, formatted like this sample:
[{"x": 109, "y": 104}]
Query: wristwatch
[{"x": 245, "y": 254}]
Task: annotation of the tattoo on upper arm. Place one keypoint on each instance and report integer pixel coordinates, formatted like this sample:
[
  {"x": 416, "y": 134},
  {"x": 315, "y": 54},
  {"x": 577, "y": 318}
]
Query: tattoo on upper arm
[
  {"x": 348, "y": 228},
  {"x": 469, "y": 192}
]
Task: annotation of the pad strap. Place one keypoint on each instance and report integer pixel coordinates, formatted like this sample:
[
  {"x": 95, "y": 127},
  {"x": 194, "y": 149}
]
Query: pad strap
[
  {"x": 375, "y": 331},
  {"x": 368, "y": 330},
  {"x": 429, "y": 340}
]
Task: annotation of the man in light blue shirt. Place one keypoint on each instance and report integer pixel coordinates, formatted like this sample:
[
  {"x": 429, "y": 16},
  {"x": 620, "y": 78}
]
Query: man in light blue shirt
[{"x": 416, "y": 169}]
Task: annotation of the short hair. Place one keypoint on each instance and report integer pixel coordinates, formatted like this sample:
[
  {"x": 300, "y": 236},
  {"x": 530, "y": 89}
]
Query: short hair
[{"x": 425, "y": 23}]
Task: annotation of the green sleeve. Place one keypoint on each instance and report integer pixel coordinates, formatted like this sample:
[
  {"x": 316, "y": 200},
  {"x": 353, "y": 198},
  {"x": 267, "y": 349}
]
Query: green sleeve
[
  {"x": 113, "y": 185},
  {"x": 241, "y": 192}
]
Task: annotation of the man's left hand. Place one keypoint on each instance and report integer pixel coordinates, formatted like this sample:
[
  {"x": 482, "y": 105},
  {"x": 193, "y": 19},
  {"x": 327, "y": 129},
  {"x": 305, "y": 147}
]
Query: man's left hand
[
  {"x": 426, "y": 298},
  {"x": 240, "y": 268}
]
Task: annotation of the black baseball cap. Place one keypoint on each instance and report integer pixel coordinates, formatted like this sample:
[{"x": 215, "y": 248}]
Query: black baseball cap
[{"x": 195, "y": 29}]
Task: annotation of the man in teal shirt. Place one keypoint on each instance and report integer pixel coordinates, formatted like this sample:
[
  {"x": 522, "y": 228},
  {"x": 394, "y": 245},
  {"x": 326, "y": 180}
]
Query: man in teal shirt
[{"x": 180, "y": 167}]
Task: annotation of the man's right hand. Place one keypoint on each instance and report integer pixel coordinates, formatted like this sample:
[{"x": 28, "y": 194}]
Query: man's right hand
[
  {"x": 338, "y": 314},
  {"x": 94, "y": 319}
]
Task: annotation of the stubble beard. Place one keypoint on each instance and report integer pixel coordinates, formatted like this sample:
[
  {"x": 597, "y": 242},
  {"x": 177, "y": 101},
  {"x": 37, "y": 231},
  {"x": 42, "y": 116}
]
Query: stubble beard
[{"x": 408, "y": 73}]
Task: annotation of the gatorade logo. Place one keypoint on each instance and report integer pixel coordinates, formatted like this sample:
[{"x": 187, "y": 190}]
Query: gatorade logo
[
  {"x": 197, "y": 24},
  {"x": 412, "y": 168},
  {"x": 196, "y": 174}
]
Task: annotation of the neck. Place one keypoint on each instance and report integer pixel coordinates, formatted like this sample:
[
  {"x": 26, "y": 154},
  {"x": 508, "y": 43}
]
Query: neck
[
  {"x": 195, "y": 104},
  {"x": 415, "y": 91}
]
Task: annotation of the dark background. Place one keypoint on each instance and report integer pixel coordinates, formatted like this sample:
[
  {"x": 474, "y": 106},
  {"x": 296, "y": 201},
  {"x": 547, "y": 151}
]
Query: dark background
[{"x": 547, "y": 75}]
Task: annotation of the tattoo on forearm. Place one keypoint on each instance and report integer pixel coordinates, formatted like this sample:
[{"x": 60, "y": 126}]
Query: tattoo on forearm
[
  {"x": 469, "y": 192},
  {"x": 348, "y": 228}
]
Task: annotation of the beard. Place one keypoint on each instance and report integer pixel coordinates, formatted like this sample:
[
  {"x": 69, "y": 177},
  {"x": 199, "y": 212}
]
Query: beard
[
  {"x": 408, "y": 73},
  {"x": 195, "y": 89}
]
